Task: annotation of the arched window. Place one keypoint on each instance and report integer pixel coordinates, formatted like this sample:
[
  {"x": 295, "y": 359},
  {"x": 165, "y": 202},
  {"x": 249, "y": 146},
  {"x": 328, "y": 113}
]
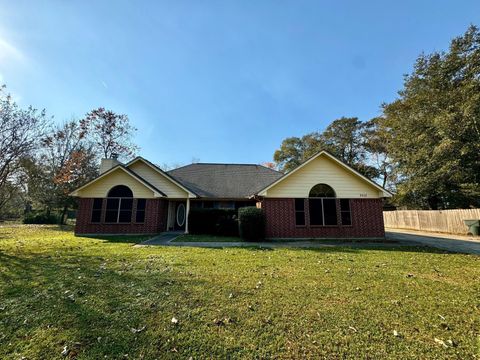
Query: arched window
[
  {"x": 321, "y": 191},
  {"x": 121, "y": 191},
  {"x": 322, "y": 205},
  {"x": 119, "y": 205}
]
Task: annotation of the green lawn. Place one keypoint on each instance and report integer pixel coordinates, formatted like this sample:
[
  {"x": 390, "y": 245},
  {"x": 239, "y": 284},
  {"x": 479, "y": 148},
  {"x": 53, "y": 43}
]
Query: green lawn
[{"x": 104, "y": 298}]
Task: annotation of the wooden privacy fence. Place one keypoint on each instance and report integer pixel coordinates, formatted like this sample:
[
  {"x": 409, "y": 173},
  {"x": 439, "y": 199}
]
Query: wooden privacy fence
[{"x": 447, "y": 221}]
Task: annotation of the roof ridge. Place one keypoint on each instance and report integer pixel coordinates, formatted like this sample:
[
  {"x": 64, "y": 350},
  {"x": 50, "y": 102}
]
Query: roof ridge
[{"x": 231, "y": 164}]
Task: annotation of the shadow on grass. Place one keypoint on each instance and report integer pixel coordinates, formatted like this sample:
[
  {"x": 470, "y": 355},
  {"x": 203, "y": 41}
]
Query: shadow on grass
[
  {"x": 76, "y": 301},
  {"x": 128, "y": 239}
]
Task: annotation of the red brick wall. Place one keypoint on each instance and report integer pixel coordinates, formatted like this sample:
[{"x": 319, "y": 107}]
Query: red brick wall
[
  {"x": 155, "y": 219},
  {"x": 367, "y": 220}
]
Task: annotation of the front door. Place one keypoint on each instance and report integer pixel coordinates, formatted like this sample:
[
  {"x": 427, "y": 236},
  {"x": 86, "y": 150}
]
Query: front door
[{"x": 180, "y": 216}]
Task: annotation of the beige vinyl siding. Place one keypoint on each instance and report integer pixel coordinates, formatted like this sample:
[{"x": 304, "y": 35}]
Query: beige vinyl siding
[
  {"x": 158, "y": 180},
  {"x": 101, "y": 187},
  {"x": 323, "y": 170}
]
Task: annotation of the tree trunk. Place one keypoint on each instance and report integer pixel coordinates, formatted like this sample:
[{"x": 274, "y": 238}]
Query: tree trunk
[
  {"x": 385, "y": 176},
  {"x": 433, "y": 202},
  {"x": 62, "y": 217}
]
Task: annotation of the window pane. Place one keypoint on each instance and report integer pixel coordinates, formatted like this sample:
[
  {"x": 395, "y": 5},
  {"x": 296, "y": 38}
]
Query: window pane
[
  {"x": 345, "y": 204},
  {"x": 112, "y": 204},
  {"x": 321, "y": 190},
  {"x": 97, "y": 204},
  {"x": 346, "y": 218},
  {"x": 125, "y": 216},
  {"x": 97, "y": 210},
  {"x": 96, "y": 216},
  {"x": 196, "y": 204},
  {"x": 208, "y": 204},
  {"x": 140, "y": 217},
  {"x": 120, "y": 191},
  {"x": 126, "y": 204},
  {"x": 300, "y": 218},
  {"x": 111, "y": 216},
  {"x": 315, "y": 207},
  {"x": 141, "y": 204},
  {"x": 330, "y": 211},
  {"x": 300, "y": 204}
]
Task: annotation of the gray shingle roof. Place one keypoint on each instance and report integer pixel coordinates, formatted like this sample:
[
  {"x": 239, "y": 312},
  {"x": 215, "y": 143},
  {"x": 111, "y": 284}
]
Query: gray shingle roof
[{"x": 225, "y": 181}]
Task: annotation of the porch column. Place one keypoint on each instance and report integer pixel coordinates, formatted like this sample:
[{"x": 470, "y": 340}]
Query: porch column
[{"x": 188, "y": 211}]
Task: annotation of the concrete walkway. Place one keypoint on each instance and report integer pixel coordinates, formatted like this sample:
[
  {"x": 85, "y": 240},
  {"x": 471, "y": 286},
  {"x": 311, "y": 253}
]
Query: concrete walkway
[
  {"x": 288, "y": 244},
  {"x": 394, "y": 238},
  {"x": 167, "y": 239},
  {"x": 455, "y": 243},
  {"x": 162, "y": 239}
]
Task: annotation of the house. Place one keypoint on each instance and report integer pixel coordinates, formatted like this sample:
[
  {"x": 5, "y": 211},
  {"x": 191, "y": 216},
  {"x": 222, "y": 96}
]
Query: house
[{"x": 323, "y": 197}]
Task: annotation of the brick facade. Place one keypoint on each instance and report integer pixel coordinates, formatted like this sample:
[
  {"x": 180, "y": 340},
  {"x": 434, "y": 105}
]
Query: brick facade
[
  {"x": 366, "y": 214},
  {"x": 156, "y": 211}
]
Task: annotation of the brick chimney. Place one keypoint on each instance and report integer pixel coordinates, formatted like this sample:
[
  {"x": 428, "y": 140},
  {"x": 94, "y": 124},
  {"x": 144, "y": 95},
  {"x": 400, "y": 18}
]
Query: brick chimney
[{"x": 107, "y": 164}]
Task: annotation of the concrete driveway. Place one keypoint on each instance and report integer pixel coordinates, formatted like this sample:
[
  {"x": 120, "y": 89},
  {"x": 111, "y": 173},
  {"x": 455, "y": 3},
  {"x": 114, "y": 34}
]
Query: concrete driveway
[{"x": 455, "y": 243}]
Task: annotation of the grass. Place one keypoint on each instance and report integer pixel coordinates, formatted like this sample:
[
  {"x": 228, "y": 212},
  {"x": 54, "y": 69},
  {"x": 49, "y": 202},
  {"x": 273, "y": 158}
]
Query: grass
[{"x": 104, "y": 298}]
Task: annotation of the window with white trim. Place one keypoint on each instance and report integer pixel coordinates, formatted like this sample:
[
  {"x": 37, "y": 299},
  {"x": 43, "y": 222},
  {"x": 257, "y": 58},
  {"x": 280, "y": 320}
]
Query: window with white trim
[
  {"x": 140, "y": 214},
  {"x": 345, "y": 212},
  {"x": 300, "y": 212},
  {"x": 119, "y": 205},
  {"x": 97, "y": 210},
  {"x": 322, "y": 206}
]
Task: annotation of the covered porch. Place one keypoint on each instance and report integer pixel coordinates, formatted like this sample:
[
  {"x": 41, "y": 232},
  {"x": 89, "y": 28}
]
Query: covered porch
[{"x": 177, "y": 215}]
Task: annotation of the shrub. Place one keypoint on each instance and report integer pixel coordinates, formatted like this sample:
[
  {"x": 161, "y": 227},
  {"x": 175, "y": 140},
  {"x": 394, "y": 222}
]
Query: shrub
[
  {"x": 251, "y": 223},
  {"x": 41, "y": 218},
  {"x": 221, "y": 222}
]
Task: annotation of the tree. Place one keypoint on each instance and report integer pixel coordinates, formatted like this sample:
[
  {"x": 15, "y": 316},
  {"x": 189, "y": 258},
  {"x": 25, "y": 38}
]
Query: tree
[
  {"x": 20, "y": 130},
  {"x": 110, "y": 133},
  {"x": 65, "y": 161},
  {"x": 269, "y": 165},
  {"x": 294, "y": 151},
  {"x": 376, "y": 140},
  {"x": 343, "y": 138},
  {"x": 434, "y": 128}
]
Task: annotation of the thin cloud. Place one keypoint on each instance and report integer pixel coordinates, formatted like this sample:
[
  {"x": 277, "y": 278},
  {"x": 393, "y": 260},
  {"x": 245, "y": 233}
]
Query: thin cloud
[
  {"x": 9, "y": 51},
  {"x": 104, "y": 84}
]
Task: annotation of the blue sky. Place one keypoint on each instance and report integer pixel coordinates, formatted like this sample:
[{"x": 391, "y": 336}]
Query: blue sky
[{"x": 219, "y": 81}]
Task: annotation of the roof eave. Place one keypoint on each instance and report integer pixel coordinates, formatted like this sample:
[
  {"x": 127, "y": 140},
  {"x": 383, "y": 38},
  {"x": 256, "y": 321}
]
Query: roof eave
[
  {"x": 156, "y": 192},
  {"x": 191, "y": 194}
]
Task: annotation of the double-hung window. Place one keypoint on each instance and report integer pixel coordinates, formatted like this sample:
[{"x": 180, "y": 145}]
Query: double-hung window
[
  {"x": 323, "y": 211},
  {"x": 300, "y": 212},
  {"x": 345, "y": 212},
  {"x": 140, "y": 215},
  {"x": 97, "y": 210},
  {"x": 119, "y": 210}
]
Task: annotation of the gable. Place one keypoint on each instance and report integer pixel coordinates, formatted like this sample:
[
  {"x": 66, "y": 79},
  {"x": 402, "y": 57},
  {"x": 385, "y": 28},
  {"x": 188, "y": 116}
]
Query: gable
[
  {"x": 158, "y": 180},
  {"x": 101, "y": 186},
  {"x": 327, "y": 170}
]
